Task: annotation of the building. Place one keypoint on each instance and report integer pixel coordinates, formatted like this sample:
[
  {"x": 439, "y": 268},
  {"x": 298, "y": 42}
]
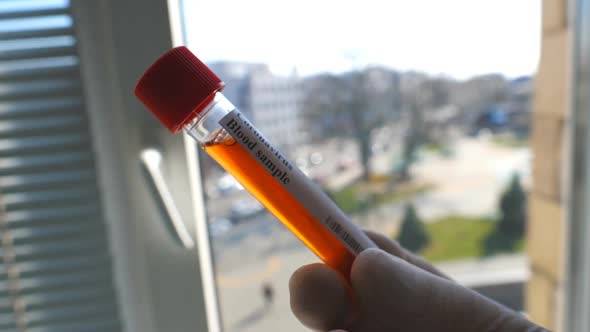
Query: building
[
  {"x": 236, "y": 76},
  {"x": 272, "y": 102}
]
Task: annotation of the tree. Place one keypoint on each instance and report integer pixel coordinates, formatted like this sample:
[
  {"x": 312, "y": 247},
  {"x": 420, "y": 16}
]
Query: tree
[
  {"x": 420, "y": 96},
  {"x": 352, "y": 104},
  {"x": 511, "y": 226},
  {"x": 513, "y": 206},
  {"x": 413, "y": 235},
  {"x": 480, "y": 91}
]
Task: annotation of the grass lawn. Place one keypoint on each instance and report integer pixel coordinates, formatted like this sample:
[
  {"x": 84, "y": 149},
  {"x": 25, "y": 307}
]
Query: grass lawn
[
  {"x": 451, "y": 238},
  {"x": 510, "y": 142},
  {"x": 350, "y": 199},
  {"x": 435, "y": 147},
  {"x": 456, "y": 237},
  {"x": 403, "y": 193},
  {"x": 347, "y": 199},
  {"x": 459, "y": 237}
]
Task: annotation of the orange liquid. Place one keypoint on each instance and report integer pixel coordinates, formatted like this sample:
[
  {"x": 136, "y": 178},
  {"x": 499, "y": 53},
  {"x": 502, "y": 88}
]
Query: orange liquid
[{"x": 254, "y": 178}]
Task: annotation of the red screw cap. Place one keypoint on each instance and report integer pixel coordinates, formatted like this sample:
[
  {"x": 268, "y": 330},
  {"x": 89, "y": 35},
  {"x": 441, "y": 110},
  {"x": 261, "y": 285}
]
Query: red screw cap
[{"x": 177, "y": 87}]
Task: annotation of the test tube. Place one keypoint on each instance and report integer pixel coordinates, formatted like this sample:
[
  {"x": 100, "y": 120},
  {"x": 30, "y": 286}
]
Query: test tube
[{"x": 184, "y": 94}]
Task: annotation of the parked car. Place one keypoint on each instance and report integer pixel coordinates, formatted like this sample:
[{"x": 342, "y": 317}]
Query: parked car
[
  {"x": 227, "y": 183},
  {"x": 245, "y": 208},
  {"x": 219, "y": 226}
]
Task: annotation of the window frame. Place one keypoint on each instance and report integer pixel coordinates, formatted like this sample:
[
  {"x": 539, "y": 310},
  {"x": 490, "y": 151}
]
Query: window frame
[
  {"x": 161, "y": 286},
  {"x": 577, "y": 288}
]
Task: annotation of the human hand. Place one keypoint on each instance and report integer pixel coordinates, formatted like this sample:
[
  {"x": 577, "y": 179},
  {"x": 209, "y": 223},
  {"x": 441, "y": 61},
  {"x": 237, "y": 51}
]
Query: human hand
[{"x": 393, "y": 290}]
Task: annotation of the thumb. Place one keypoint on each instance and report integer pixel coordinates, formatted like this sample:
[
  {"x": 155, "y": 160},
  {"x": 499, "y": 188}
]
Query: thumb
[{"x": 395, "y": 295}]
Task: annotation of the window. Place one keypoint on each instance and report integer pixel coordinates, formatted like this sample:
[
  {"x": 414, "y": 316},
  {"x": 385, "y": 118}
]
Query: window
[{"x": 445, "y": 127}]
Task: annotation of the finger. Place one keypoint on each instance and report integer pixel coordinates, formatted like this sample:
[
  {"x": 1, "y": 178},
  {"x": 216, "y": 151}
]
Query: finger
[
  {"x": 320, "y": 297},
  {"x": 394, "y": 248},
  {"x": 396, "y": 295}
]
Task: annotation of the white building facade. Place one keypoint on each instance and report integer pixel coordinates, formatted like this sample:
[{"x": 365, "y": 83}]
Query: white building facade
[{"x": 274, "y": 103}]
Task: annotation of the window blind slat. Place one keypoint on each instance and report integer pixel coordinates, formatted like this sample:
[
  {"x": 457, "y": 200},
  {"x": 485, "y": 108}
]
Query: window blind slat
[
  {"x": 42, "y": 144},
  {"x": 42, "y": 107},
  {"x": 36, "y": 70},
  {"x": 32, "y": 13},
  {"x": 36, "y": 199},
  {"x": 8, "y": 324},
  {"x": 77, "y": 229},
  {"x": 44, "y": 303},
  {"x": 47, "y": 250},
  {"x": 72, "y": 281},
  {"x": 24, "y": 91},
  {"x": 45, "y": 52},
  {"x": 81, "y": 313},
  {"x": 38, "y": 163},
  {"x": 60, "y": 265},
  {"x": 26, "y": 34},
  {"x": 98, "y": 325},
  {"x": 46, "y": 180}
]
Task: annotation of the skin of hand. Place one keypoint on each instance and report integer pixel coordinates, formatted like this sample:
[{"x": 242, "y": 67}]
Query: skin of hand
[{"x": 392, "y": 290}]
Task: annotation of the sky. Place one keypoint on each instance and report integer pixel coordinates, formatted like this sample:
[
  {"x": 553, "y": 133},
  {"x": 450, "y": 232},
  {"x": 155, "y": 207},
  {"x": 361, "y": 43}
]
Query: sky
[{"x": 457, "y": 38}]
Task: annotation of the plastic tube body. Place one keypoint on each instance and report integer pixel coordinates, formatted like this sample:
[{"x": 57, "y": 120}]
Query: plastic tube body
[{"x": 231, "y": 140}]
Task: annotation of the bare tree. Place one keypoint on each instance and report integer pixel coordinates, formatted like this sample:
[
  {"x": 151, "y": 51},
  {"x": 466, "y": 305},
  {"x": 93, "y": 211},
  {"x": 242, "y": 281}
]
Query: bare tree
[
  {"x": 420, "y": 96},
  {"x": 352, "y": 104}
]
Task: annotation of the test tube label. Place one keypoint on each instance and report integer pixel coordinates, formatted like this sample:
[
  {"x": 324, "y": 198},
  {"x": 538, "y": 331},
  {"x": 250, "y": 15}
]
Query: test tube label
[{"x": 295, "y": 182}]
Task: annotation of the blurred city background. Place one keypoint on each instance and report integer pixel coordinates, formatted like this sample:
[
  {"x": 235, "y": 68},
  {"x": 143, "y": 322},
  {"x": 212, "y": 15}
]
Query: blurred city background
[
  {"x": 445, "y": 161},
  {"x": 446, "y": 125},
  {"x": 436, "y": 157}
]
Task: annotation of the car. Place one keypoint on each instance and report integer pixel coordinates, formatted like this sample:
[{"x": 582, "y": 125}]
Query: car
[
  {"x": 344, "y": 164},
  {"x": 301, "y": 162},
  {"x": 227, "y": 183},
  {"x": 219, "y": 226},
  {"x": 316, "y": 158},
  {"x": 245, "y": 208}
]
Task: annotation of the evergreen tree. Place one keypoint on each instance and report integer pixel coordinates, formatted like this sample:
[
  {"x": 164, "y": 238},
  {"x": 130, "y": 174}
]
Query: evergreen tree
[
  {"x": 513, "y": 207},
  {"x": 511, "y": 226},
  {"x": 413, "y": 235}
]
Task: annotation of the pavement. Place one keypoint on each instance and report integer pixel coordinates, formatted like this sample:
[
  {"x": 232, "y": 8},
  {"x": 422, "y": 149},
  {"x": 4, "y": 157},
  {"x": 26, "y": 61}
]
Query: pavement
[
  {"x": 500, "y": 269},
  {"x": 472, "y": 181},
  {"x": 242, "y": 304}
]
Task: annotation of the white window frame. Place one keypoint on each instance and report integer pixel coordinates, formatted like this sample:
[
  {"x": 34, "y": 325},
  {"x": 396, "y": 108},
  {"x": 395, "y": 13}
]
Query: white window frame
[{"x": 161, "y": 286}]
